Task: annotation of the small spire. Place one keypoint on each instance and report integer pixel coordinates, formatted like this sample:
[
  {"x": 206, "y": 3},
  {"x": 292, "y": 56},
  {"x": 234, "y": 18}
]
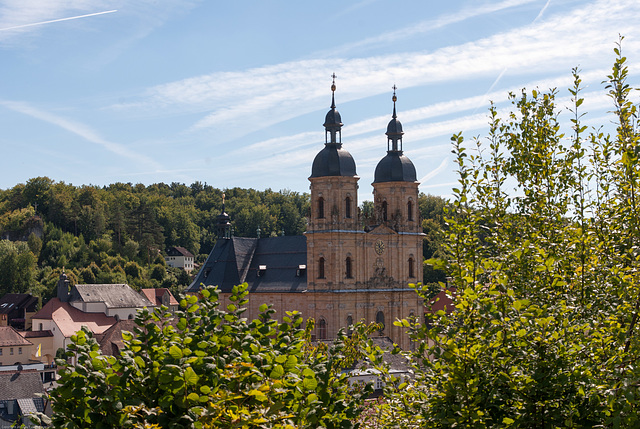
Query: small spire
[
  {"x": 394, "y": 98},
  {"x": 333, "y": 91}
]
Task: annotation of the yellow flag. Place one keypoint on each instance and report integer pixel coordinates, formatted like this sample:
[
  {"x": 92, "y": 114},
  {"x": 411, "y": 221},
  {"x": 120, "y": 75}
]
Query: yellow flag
[{"x": 39, "y": 352}]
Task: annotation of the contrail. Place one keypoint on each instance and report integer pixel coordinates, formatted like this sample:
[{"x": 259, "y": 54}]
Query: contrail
[{"x": 58, "y": 20}]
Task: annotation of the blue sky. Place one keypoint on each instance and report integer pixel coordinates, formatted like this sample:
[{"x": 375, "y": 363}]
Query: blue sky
[{"x": 234, "y": 93}]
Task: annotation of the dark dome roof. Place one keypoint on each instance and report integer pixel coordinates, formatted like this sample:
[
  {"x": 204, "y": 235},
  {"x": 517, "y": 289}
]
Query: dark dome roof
[
  {"x": 395, "y": 167},
  {"x": 394, "y": 127},
  {"x": 333, "y": 161},
  {"x": 333, "y": 118}
]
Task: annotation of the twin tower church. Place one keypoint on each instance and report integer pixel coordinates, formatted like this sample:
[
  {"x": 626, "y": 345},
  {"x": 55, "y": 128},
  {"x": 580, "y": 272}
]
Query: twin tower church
[{"x": 344, "y": 269}]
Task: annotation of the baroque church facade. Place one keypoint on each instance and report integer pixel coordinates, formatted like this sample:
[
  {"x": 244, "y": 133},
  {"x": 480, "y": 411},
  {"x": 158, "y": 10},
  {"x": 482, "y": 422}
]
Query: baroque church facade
[{"x": 341, "y": 271}]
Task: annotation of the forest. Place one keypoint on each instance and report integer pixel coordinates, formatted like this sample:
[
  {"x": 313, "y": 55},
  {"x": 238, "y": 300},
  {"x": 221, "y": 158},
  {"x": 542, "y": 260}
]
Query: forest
[{"x": 118, "y": 233}]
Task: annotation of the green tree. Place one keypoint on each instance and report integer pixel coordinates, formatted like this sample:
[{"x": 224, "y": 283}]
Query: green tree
[
  {"x": 544, "y": 334},
  {"x": 213, "y": 369}
]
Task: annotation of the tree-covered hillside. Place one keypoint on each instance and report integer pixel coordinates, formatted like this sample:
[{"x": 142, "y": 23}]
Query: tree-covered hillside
[{"x": 117, "y": 233}]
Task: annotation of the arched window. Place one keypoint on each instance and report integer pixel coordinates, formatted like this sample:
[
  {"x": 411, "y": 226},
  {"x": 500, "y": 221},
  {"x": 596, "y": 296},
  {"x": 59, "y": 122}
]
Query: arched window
[
  {"x": 321, "y": 268},
  {"x": 412, "y": 272},
  {"x": 384, "y": 211},
  {"x": 349, "y": 268},
  {"x": 320, "y": 208},
  {"x": 322, "y": 329},
  {"x": 380, "y": 320},
  {"x": 347, "y": 207},
  {"x": 349, "y": 324},
  {"x": 410, "y": 210}
]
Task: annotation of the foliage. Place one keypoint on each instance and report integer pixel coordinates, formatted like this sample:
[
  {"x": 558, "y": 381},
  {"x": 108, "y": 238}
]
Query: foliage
[
  {"x": 211, "y": 368},
  {"x": 545, "y": 329}
]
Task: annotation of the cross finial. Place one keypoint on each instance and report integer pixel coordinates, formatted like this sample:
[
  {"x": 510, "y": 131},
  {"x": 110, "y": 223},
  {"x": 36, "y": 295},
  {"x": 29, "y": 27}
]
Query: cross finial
[
  {"x": 333, "y": 84},
  {"x": 394, "y": 87}
]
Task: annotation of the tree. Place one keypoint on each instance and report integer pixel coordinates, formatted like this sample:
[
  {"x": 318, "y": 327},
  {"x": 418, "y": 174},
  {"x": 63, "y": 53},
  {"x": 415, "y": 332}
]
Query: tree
[
  {"x": 211, "y": 369},
  {"x": 545, "y": 329}
]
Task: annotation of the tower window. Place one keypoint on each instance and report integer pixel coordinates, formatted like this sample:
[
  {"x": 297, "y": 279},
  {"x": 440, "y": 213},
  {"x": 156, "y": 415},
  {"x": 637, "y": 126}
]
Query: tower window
[
  {"x": 384, "y": 211},
  {"x": 322, "y": 329},
  {"x": 321, "y": 268},
  {"x": 380, "y": 320},
  {"x": 349, "y": 268},
  {"x": 347, "y": 207},
  {"x": 412, "y": 273},
  {"x": 410, "y": 210},
  {"x": 320, "y": 208},
  {"x": 349, "y": 324}
]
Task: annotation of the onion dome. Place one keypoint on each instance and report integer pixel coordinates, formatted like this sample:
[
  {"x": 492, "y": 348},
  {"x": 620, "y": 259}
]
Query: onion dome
[
  {"x": 395, "y": 166},
  {"x": 332, "y": 160}
]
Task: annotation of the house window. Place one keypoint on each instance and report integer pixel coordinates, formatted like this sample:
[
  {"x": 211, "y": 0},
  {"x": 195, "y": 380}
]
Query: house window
[
  {"x": 322, "y": 330},
  {"x": 320, "y": 208},
  {"x": 39, "y": 326},
  {"x": 19, "y": 350},
  {"x": 349, "y": 268},
  {"x": 347, "y": 207},
  {"x": 11, "y": 351},
  {"x": 384, "y": 211},
  {"x": 321, "y": 268},
  {"x": 412, "y": 273},
  {"x": 0, "y": 351},
  {"x": 410, "y": 210}
]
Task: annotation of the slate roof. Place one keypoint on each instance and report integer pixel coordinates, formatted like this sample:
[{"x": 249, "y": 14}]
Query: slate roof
[
  {"x": 70, "y": 320},
  {"x": 10, "y": 337},
  {"x": 179, "y": 251},
  {"x": 113, "y": 295},
  {"x": 19, "y": 385},
  {"x": 155, "y": 295},
  {"x": 238, "y": 260},
  {"x": 12, "y": 301}
]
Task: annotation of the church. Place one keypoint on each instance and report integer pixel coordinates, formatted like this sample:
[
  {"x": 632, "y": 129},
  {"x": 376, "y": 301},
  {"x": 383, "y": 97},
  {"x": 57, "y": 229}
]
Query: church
[{"x": 340, "y": 271}]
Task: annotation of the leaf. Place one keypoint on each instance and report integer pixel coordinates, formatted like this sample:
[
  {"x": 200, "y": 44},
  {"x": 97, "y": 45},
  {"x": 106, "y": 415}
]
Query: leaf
[
  {"x": 190, "y": 376},
  {"x": 175, "y": 352}
]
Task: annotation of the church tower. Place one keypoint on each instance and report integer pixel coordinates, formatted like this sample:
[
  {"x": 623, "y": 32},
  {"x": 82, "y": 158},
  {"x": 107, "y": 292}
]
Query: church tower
[{"x": 334, "y": 208}]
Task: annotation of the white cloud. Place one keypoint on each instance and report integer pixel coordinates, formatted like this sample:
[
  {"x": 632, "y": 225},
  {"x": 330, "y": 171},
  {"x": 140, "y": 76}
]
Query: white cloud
[
  {"x": 78, "y": 129},
  {"x": 283, "y": 91}
]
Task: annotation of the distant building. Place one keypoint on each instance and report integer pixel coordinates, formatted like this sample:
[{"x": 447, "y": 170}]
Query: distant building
[
  {"x": 64, "y": 320},
  {"x": 16, "y": 310},
  {"x": 179, "y": 257},
  {"x": 339, "y": 272},
  {"x": 20, "y": 396},
  {"x": 161, "y": 296},
  {"x": 14, "y": 348}
]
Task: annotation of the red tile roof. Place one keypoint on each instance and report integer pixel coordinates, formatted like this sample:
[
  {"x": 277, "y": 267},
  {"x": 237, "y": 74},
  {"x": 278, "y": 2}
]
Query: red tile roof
[
  {"x": 70, "y": 320},
  {"x": 10, "y": 337},
  {"x": 155, "y": 295}
]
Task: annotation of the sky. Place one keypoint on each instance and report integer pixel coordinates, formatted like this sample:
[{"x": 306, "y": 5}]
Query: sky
[{"x": 234, "y": 94}]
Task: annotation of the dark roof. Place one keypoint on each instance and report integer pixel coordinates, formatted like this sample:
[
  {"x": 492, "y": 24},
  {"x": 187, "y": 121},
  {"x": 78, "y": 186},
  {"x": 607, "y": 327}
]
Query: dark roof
[
  {"x": 395, "y": 167},
  {"x": 238, "y": 260},
  {"x": 332, "y": 160},
  {"x": 111, "y": 343},
  {"x": 12, "y": 301},
  {"x": 113, "y": 295},
  {"x": 179, "y": 251},
  {"x": 37, "y": 334},
  {"x": 19, "y": 385}
]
